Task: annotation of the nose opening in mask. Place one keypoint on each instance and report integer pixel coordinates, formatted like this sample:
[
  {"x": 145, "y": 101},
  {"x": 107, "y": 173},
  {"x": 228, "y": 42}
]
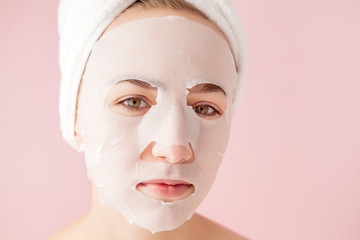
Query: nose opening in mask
[{"x": 174, "y": 154}]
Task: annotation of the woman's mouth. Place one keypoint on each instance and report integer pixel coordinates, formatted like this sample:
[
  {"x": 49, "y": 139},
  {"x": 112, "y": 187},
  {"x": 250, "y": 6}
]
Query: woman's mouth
[{"x": 165, "y": 189}]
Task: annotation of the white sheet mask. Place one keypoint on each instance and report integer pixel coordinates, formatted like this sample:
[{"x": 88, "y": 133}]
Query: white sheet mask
[{"x": 173, "y": 54}]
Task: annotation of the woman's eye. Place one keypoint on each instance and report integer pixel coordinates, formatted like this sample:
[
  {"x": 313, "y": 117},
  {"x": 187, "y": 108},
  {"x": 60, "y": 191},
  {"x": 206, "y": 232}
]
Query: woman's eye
[
  {"x": 134, "y": 103},
  {"x": 207, "y": 111}
]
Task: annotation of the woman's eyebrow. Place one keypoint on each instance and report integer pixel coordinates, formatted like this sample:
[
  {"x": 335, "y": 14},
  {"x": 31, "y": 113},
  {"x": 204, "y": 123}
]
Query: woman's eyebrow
[
  {"x": 206, "y": 88},
  {"x": 139, "y": 83}
]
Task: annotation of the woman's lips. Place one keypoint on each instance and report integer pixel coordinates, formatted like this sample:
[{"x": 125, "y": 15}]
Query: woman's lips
[{"x": 166, "y": 189}]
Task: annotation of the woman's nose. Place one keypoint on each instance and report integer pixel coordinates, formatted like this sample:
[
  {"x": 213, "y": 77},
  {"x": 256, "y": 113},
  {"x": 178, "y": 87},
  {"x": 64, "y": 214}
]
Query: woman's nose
[
  {"x": 175, "y": 154},
  {"x": 172, "y": 134}
]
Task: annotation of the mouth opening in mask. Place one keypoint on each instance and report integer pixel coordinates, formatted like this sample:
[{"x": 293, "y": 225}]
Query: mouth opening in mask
[{"x": 166, "y": 190}]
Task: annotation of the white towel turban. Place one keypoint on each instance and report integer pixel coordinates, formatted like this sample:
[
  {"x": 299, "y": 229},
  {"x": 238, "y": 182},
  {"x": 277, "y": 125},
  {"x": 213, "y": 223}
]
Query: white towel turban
[{"x": 80, "y": 24}]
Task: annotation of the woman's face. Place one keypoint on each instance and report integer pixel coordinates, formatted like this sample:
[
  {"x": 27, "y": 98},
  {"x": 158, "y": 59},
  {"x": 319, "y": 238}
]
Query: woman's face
[{"x": 153, "y": 116}]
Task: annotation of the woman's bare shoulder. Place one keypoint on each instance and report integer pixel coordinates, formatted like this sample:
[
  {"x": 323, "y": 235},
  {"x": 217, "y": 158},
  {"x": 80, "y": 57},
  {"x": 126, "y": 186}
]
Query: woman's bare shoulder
[
  {"x": 70, "y": 232},
  {"x": 218, "y": 232}
]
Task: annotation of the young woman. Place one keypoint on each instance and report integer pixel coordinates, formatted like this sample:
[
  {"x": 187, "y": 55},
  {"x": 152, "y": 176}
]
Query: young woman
[{"x": 152, "y": 114}]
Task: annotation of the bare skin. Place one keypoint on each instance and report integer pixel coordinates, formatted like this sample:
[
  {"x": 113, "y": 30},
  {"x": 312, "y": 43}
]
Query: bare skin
[{"x": 104, "y": 222}]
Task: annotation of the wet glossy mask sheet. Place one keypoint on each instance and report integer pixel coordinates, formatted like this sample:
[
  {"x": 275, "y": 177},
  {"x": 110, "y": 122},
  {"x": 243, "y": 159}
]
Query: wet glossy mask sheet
[{"x": 172, "y": 54}]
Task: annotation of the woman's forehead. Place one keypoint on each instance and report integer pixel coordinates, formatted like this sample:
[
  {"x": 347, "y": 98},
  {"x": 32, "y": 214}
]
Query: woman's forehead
[{"x": 166, "y": 50}]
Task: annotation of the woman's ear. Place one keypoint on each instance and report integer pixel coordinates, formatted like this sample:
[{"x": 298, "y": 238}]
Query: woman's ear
[{"x": 78, "y": 137}]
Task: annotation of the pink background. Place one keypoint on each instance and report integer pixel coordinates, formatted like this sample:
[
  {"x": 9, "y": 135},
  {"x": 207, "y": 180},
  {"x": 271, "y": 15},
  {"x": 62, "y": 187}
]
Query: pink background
[{"x": 292, "y": 168}]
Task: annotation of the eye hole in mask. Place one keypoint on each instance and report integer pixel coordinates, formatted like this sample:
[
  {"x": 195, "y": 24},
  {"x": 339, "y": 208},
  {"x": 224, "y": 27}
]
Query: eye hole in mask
[
  {"x": 207, "y": 111},
  {"x": 139, "y": 105},
  {"x": 133, "y": 106},
  {"x": 133, "y": 98}
]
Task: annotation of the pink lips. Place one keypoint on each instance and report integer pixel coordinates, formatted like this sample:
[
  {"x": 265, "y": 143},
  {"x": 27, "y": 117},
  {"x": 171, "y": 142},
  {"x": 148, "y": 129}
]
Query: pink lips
[{"x": 166, "y": 189}]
